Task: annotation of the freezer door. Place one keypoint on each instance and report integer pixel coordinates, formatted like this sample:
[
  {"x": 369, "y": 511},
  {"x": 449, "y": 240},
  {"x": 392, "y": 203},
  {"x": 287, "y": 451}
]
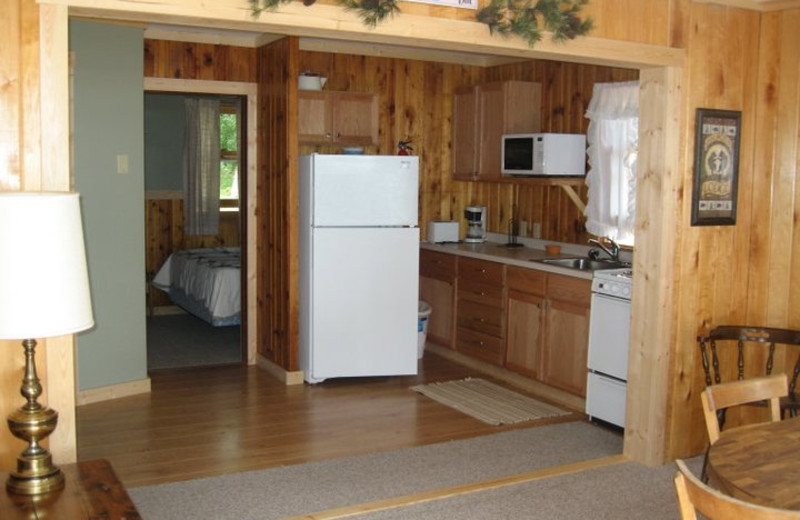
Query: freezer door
[
  {"x": 364, "y": 190},
  {"x": 364, "y": 293}
]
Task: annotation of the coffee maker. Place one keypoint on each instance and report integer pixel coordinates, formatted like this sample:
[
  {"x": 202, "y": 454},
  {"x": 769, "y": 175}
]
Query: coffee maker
[{"x": 476, "y": 224}]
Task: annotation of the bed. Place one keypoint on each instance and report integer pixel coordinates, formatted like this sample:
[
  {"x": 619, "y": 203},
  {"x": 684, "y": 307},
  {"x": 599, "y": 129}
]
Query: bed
[{"x": 204, "y": 282}]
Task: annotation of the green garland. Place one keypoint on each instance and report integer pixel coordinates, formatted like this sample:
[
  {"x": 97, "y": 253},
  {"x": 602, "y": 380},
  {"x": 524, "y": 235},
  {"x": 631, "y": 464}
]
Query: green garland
[
  {"x": 527, "y": 19},
  {"x": 372, "y": 12},
  {"x": 524, "y": 18}
]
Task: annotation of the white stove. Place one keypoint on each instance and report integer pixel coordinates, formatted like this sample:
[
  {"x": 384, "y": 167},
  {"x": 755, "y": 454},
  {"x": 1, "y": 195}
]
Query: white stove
[{"x": 609, "y": 337}]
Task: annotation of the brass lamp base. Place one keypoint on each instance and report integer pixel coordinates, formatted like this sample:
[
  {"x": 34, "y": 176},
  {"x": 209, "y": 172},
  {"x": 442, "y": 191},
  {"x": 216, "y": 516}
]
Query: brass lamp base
[
  {"x": 35, "y": 476},
  {"x": 33, "y": 423}
]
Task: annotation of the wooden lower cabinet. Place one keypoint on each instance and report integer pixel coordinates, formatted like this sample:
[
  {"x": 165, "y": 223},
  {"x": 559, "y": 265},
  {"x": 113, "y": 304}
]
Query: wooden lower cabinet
[
  {"x": 480, "y": 308},
  {"x": 532, "y": 322},
  {"x": 437, "y": 287},
  {"x": 548, "y": 328},
  {"x": 439, "y": 295},
  {"x": 525, "y": 333},
  {"x": 566, "y": 344}
]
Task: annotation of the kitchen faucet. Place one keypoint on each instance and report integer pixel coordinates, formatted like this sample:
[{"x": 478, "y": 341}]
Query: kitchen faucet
[{"x": 612, "y": 250}]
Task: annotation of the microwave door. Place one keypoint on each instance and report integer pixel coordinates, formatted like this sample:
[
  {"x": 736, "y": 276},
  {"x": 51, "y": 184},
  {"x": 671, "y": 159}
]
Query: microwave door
[{"x": 517, "y": 155}]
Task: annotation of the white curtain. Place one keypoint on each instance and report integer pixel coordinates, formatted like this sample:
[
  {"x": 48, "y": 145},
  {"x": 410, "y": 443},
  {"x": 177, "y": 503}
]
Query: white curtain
[
  {"x": 613, "y": 142},
  {"x": 201, "y": 158}
]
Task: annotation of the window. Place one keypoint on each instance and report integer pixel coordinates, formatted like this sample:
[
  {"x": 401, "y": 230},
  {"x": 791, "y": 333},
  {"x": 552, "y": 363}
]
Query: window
[
  {"x": 613, "y": 139},
  {"x": 229, "y": 156}
]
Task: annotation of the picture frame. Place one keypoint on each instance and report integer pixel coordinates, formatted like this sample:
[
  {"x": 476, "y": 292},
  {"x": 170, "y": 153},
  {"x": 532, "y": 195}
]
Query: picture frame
[{"x": 716, "y": 167}]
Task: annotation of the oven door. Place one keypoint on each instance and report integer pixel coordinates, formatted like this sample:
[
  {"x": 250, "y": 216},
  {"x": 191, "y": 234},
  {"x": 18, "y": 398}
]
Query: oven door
[{"x": 609, "y": 336}]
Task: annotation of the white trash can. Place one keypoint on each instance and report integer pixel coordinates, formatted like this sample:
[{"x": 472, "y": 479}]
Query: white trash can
[{"x": 423, "y": 312}]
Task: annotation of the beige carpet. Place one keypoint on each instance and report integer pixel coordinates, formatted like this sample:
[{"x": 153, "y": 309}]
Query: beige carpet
[
  {"x": 487, "y": 401},
  {"x": 323, "y": 485}
]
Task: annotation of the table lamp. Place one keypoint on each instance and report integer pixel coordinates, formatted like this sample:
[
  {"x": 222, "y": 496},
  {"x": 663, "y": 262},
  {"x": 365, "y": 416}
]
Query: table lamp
[{"x": 44, "y": 292}]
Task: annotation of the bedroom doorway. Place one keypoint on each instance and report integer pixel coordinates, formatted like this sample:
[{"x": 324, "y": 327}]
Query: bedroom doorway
[{"x": 175, "y": 338}]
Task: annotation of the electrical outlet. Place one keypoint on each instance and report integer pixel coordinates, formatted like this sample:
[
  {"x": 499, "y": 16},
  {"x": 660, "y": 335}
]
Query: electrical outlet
[
  {"x": 537, "y": 230},
  {"x": 523, "y": 228}
]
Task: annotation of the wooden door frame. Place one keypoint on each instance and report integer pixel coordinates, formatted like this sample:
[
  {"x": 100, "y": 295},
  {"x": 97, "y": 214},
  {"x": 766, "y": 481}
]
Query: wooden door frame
[
  {"x": 662, "y": 159},
  {"x": 250, "y": 92}
]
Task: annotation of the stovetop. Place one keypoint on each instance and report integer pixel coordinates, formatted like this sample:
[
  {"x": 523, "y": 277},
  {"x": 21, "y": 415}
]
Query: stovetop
[{"x": 621, "y": 274}]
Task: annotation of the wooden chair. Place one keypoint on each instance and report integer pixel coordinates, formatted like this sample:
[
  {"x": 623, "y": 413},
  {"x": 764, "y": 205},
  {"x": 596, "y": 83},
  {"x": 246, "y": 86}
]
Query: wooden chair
[
  {"x": 694, "y": 496},
  {"x": 745, "y": 340},
  {"x": 718, "y": 398},
  {"x": 725, "y": 395}
]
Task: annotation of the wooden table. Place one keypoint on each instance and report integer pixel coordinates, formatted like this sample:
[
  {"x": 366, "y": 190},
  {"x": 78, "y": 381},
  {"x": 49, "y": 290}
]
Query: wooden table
[
  {"x": 92, "y": 491},
  {"x": 759, "y": 463}
]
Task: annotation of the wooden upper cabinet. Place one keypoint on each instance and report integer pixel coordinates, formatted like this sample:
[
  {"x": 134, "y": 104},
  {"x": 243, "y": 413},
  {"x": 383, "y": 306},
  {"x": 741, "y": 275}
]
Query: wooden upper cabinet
[
  {"x": 481, "y": 115},
  {"x": 330, "y": 117},
  {"x": 465, "y": 133}
]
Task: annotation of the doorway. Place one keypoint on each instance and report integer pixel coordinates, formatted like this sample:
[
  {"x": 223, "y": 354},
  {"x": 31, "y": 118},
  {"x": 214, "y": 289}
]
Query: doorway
[{"x": 193, "y": 341}]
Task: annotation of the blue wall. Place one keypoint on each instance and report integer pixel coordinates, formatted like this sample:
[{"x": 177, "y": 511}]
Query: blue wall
[
  {"x": 164, "y": 116},
  {"x": 108, "y": 123}
]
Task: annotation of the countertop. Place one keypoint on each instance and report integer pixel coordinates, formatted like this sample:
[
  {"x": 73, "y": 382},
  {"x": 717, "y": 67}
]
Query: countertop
[{"x": 518, "y": 256}]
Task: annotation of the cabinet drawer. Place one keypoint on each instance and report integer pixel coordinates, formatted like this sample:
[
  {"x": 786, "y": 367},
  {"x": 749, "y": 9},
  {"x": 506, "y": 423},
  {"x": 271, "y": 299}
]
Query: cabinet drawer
[
  {"x": 526, "y": 280},
  {"x": 480, "y": 346},
  {"x": 481, "y": 318},
  {"x": 439, "y": 266},
  {"x": 480, "y": 271},
  {"x": 482, "y": 293},
  {"x": 566, "y": 288}
]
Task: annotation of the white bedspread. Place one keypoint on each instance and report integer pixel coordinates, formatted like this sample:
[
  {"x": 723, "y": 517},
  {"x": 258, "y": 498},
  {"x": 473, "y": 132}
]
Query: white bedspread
[{"x": 210, "y": 276}]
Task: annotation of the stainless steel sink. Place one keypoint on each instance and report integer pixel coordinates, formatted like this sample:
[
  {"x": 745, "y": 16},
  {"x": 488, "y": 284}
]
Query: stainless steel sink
[{"x": 583, "y": 263}]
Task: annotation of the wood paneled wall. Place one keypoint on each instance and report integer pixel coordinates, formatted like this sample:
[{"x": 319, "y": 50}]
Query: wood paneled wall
[
  {"x": 416, "y": 103},
  {"x": 276, "y": 248},
  {"x": 185, "y": 60},
  {"x": 748, "y": 273}
]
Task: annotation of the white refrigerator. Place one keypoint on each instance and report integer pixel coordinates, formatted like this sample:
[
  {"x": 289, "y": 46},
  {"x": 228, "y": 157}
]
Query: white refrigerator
[{"x": 359, "y": 265}]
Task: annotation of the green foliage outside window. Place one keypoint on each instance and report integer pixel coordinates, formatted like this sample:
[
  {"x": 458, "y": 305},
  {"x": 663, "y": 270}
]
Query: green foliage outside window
[
  {"x": 228, "y": 138},
  {"x": 229, "y": 165}
]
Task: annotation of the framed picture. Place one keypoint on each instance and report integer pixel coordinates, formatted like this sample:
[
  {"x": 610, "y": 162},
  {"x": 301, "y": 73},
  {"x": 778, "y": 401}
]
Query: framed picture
[{"x": 716, "y": 167}]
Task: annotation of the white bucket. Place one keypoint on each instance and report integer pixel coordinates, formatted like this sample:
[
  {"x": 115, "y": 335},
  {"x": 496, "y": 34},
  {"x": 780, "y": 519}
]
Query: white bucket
[{"x": 423, "y": 312}]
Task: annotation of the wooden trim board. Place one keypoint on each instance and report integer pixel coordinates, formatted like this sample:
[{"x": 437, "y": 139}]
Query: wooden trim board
[
  {"x": 417, "y": 31},
  {"x": 105, "y": 393},
  {"x": 286, "y": 376},
  {"x": 455, "y": 491}
]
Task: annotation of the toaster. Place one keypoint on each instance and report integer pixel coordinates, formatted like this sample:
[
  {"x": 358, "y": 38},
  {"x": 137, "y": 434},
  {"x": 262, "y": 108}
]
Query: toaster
[{"x": 443, "y": 231}]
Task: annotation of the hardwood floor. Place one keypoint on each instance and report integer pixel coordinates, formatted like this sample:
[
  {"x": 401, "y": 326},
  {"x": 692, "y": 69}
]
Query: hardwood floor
[{"x": 211, "y": 421}]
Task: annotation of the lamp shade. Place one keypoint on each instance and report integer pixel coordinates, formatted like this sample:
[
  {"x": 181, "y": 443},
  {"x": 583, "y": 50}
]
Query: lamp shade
[{"x": 44, "y": 283}]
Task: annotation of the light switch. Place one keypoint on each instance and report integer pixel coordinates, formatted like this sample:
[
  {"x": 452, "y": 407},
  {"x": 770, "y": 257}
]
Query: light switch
[
  {"x": 122, "y": 163},
  {"x": 537, "y": 230}
]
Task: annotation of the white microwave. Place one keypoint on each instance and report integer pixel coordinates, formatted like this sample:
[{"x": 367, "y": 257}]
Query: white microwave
[{"x": 543, "y": 154}]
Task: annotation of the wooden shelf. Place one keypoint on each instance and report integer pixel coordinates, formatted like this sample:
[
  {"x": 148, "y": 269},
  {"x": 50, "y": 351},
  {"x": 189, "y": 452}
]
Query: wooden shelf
[
  {"x": 566, "y": 184},
  {"x": 536, "y": 181}
]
